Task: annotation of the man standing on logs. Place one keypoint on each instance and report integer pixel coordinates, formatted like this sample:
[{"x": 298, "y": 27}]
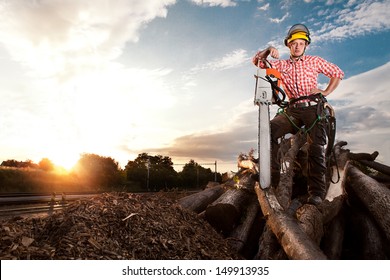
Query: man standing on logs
[{"x": 305, "y": 110}]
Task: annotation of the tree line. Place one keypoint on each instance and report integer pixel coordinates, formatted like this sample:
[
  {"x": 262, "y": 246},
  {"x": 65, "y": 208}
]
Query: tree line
[{"x": 97, "y": 173}]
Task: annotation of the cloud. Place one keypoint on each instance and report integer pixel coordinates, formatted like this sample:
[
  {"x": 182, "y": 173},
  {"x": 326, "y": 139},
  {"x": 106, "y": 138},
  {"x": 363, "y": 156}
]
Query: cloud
[
  {"x": 62, "y": 38},
  {"x": 279, "y": 20},
  {"x": 350, "y": 3},
  {"x": 75, "y": 88},
  {"x": 231, "y": 60},
  {"x": 264, "y": 7},
  {"x": 211, "y": 3},
  {"x": 362, "y": 103},
  {"x": 224, "y": 144},
  {"x": 355, "y": 20}
]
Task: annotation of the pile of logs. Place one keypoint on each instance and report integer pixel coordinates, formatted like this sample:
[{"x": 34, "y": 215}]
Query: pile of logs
[{"x": 353, "y": 222}]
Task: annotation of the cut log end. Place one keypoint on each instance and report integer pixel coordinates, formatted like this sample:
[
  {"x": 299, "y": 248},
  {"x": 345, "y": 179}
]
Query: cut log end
[{"x": 222, "y": 216}]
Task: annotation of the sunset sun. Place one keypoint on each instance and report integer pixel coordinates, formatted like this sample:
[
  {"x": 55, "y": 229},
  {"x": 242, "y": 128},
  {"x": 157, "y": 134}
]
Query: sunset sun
[{"x": 66, "y": 161}]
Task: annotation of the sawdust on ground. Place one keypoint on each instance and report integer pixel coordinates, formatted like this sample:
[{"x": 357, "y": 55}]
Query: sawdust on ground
[{"x": 114, "y": 226}]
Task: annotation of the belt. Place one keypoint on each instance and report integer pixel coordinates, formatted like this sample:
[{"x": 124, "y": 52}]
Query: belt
[{"x": 302, "y": 104}]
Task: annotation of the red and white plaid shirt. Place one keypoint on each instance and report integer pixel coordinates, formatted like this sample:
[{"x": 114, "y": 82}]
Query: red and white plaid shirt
[{"x": 300, "y": 77}]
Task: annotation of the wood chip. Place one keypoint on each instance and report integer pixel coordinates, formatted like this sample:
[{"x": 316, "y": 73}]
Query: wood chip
[
  {"x": 101, "y": 228},
  {"x": 26, "y": 241}
]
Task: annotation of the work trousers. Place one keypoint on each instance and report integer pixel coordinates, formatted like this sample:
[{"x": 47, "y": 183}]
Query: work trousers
[{"x": 316, "y": 137}]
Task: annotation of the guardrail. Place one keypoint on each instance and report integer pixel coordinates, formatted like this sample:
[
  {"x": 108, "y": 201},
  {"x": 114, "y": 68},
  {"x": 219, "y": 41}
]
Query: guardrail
[
  {"x": 23, "y": 198},
  {"x": 14, "y": 204}
]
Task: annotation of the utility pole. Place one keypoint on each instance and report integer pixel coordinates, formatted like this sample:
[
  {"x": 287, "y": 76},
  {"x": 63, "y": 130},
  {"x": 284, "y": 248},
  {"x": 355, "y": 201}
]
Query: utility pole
[
  {"x": 197, "y": 170},
  {"x": 197, "y": 175},
  {"x": 215, "y": 172},
  {"x": 147, "y": 179}
]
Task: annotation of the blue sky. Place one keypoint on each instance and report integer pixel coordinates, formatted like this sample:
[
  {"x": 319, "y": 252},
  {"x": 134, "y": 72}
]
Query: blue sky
[{"x": 119, "y": 78}]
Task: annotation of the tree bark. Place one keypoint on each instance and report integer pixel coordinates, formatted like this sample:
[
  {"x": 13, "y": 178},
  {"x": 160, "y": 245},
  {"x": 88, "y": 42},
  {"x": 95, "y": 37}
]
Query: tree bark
[
  {"x": 198, "y": 202},
  {"x": 284, "y": 190},
  {"x": 289, "y": 233},
  {"x": 377, "y": 166},
  {"x": 269, "y": 247},
  {"x": 332, "y": 242},
  {"x": 363, "y": 238},
  {"x": 225, "y": 212},
  {"x": 374, "y": 196},
  {"x": 240, "y": 234},
  {"x": 312, "y": 218},
  {"x": 369, "y": 241},
  {"x": 363, "y": 156}
]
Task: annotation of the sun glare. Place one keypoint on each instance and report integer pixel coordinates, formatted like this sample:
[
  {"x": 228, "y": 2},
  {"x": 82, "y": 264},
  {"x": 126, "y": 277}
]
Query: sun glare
[
  {"x": 65, "y": 161},
  {"x": 98, "y": 112}
]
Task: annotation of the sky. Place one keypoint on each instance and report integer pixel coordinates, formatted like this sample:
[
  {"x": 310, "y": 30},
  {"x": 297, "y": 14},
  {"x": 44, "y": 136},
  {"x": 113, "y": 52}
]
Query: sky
[{"x": 174, "y": 77}]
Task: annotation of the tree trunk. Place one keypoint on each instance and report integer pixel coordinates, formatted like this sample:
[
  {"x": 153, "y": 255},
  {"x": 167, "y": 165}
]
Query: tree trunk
[
  {"x": 374, "y": 196},
  {"x": 289, "y": 233},
  {"x": 313, "y": 218},
  {"x": 240, "y": 234},
  {"x": 310, "y": 220},
  {"x": 377, "y": 166},
  {"x": 198, "y": 202},
  {"x": 363, "y": 156},
  {"x": 284, "y": 190},
  {"x": 332, "y": 242},
  {"x": 382, "y": 178},
  {"x": 269, "y": 247},
  {"x": 224, "y": 213},
  {"x": 363, "y": 239}
]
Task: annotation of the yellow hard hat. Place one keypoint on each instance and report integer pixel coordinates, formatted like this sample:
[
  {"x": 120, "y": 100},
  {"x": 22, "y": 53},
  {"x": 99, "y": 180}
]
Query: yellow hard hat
[
  {"x": 298, "y": 31},
  {"x": 298, "y": 35}
]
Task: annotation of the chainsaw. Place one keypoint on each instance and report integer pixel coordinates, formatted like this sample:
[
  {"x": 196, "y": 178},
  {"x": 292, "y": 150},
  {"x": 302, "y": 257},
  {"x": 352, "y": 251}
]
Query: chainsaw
[{"x": 267, "y": 92}]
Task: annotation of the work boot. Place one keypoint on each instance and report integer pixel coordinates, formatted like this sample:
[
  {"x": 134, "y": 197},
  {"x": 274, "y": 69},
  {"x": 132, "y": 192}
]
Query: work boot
[{"x": 314, "y": 199}]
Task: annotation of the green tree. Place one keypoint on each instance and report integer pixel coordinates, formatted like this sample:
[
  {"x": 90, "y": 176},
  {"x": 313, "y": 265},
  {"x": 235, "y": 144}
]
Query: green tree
[
  {"x": 194, "y": 175},
  {"x": 46, "y": 164},
  {"x": 99, "y": 173},
  {"x": 136, "y": 171},
  {"x": 19, "y": 164},
  {"x": 152, "y": 172},
  {"x": 10, "y": 163}
]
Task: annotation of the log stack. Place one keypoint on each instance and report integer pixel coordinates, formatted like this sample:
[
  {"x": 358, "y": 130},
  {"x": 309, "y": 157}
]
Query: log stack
[{"x": 353, "y": 222}]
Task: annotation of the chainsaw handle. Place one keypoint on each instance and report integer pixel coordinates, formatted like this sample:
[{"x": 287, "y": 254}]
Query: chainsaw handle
[
  {"x": 275, "y": 89},
  {"x": 265, "y": 61}
]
